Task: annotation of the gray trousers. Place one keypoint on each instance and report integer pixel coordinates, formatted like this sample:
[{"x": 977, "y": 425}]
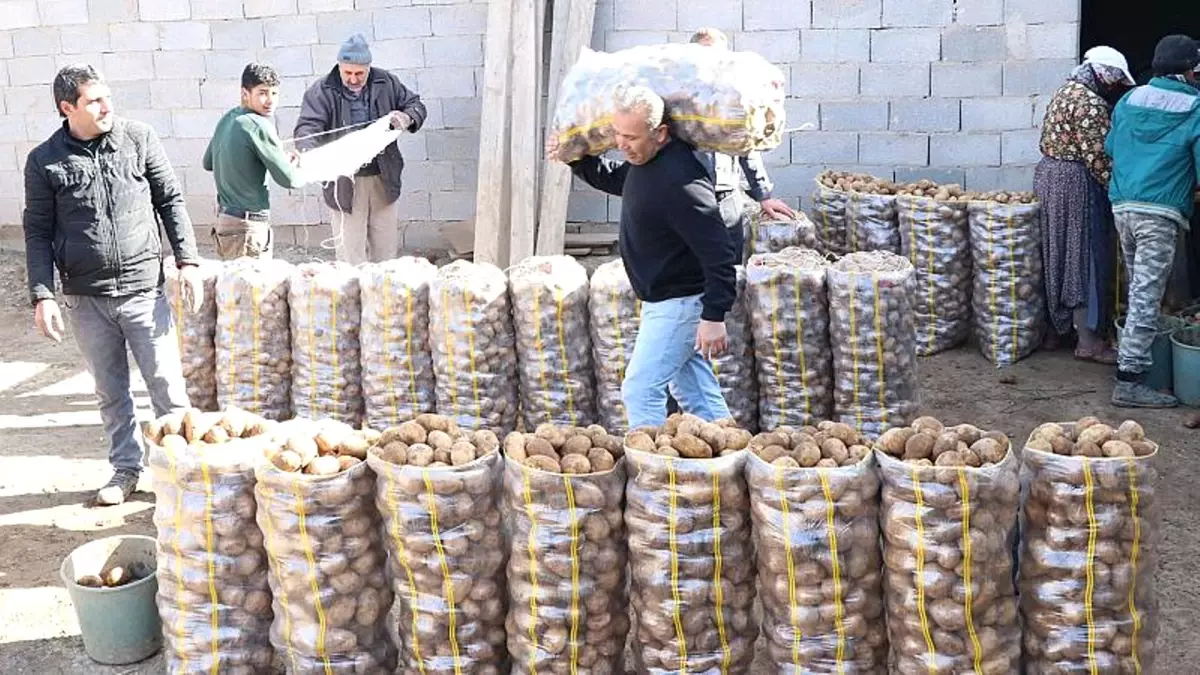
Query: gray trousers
[
  {"x": 104, "y": 327},
  {"x": 1148, "y": 245}
]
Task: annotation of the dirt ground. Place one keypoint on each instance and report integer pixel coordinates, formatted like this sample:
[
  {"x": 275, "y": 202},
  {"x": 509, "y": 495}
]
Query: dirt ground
[{"x": 52, "y": 456}]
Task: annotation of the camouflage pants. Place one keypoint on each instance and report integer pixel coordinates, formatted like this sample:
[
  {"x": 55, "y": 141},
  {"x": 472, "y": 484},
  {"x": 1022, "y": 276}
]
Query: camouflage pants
[{"x": 1148, "y": 244}]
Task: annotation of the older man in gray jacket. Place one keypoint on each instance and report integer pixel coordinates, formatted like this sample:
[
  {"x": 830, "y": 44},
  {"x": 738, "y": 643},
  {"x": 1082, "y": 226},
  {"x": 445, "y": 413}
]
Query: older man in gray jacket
[{"x": 351, "y": 96}]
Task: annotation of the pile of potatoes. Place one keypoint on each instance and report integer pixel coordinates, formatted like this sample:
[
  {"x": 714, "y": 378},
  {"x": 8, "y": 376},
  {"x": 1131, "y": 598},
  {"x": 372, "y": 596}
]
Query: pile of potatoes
[
  {"x": 814, "y": 500},
  {"x": 437, "y": 488},
  {"x": 934, "y": 236},
  {"x": 689, "y": 543},
  {"x": 397, "y": 372},
  {"x": 928, "y": 189},
  {"x": 211, "y": 559},
  {"x": 323, "y": 448},
  {"x": 550, "y": 316},
  {"x": 872, "y": 336},
  {"x": 254, "y": 347},
  {"x": 948, "y": 532},
  {"x": 849, "y": 181},
  {"x": 735, "y": 367},
  {"x": 323, "y": 535},
  {"x": 1090, "y": 548},
  {"x": 1008, "y": 301},
  {"x": 615, "y": 313},
  {"x": 1004, "y": 197},
  {"x": 474, "y": 348},
  {"x": 197, "y": 335},
  {"x": 326, "y": 309},
  {"x": 564, "y": 497}
]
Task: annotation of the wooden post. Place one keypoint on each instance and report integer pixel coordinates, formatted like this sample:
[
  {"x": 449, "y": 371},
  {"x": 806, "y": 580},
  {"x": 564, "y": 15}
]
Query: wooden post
[
  {"x": 492, "y": 199},
  {"x": 556, "y": 177},
  {"x": 524, "y": 130}
]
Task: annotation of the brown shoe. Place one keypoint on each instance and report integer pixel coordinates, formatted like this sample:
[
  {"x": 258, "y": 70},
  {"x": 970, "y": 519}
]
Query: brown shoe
[{"x": 1104, "y": 355}]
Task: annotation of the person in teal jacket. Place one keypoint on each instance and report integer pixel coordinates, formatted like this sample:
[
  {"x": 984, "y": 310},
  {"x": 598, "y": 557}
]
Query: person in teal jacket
[
  {"x": 1155, "y": 146},
  {"x": 243, "y": 150}
]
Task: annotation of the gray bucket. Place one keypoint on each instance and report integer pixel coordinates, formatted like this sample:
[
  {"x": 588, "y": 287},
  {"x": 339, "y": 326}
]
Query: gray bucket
[{"x": 119, "y": 625}]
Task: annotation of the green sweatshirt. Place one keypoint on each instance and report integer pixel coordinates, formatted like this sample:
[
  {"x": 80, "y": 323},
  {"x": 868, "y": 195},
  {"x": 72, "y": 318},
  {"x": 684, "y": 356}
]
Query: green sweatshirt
[{"x": 244, "y": 147}]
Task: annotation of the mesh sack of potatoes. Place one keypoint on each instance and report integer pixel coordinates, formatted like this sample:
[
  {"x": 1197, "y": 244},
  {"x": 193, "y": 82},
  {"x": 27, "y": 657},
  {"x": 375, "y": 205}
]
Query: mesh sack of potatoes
[
  {"x": 327, "y": 556},
  {"x": 1090, "y": 547},
  {"x": 254, "y": 345},
  {"x": 934, "y": 236},
  {"x": 474, "y": 348},
  {"x": 949, "y": 509},
  {"x": 326, "y": 308},
  {"x": 438, "y": 490},
  {"x": 789, "y": 319},
  {"x": 197, "y": 333},
  {"x": 872, "y": 221},
  {"x": 814, "y": 504},
  {"x": 1006, "y": 250},
  {"x": 397, "y": 372},
  {"x": 734, "y": 368},
  {"x": 687, "y": 513},
  {"x": 615, "y": 313},
  {"x": 564, "y": 492},
  {"x": 718, "y": 100},
  {"x": 554, "y": 357},
  {"x": 213, "y": 596},
  {"x": 828, "y": 210},
  {"x": 767, "y": 235},
  {"x": 873, "y": 341}
]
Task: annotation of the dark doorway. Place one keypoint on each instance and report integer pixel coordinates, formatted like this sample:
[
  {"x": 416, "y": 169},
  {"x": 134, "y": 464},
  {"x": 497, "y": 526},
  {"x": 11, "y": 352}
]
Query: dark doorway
[{"x": 1133, "y": 28}]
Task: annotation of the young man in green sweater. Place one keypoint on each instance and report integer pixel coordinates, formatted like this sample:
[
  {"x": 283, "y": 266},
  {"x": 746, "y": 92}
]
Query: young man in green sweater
[{"x": 243, "y": 149}]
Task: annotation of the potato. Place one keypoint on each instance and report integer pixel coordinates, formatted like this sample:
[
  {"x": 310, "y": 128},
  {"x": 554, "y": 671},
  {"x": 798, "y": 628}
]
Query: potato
[
  {"x": 575, "y": 464},
  {"x": 1098, "y": 434},
  {"x": 1130, "y": 431},
  {"x": 1006, "y": 253},
  {"x": 894, "y": 441},
  {"x": 692, "y": 447},
  {"x": 640, "y": 441},
  {"x": 355, "y": 445},
  {"x": 462, "y": 452},
  {"x": 543, "y": 463},
  {"x": 600, "y": 460},
  {"x": 919, "y": 446},
  {"x": 989, "y": 450},
  {"x": 1118, "y": 449},
  {"x": 577, "y": 445},
  {"x": 288, "y": 460}
]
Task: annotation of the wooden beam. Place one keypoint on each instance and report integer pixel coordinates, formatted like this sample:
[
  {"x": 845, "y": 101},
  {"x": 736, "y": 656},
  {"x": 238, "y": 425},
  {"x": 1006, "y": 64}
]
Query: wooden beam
[
  {"x": 526, "y": 69},
  {"x": 492, "y": 205},
  {"x": 556, "y": 177}
]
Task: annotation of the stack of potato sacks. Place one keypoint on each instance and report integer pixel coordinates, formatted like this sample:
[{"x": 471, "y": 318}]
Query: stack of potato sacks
[
  {"x": 855, "y": 212},
  {"x": 689, "y": 543}
]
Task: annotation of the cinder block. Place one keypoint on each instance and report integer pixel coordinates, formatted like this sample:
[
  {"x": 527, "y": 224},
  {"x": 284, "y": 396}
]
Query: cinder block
[
  {"x": 455, "y": 205},
  {"x": 198, "y": 182},
  {"x": 1012, "y": 178},
  {"x": 1024, "y": 78},
  {"x": 12, "y": 182},
  {"x": 206, "y": 10},
  {"x": 847, "y": 14},
  {"x": 40, "y": 127},
  {"x": 63, "y": 12},
  {"x": 160, "y": 120},
  {"x": 723, "y": 14},
  {"x": 334, "y": 27},
  {"x": 907, "y": 45},
  {"x": 459, "y": 20},
  {"x": 287, "y": 61},
  {"x": 854, "y": 116},
  {"x": 446, "y": 82},
  {"x": 292, "y": 89},
  {"x": 603, "y": 23},
  {"x": 228, "y": 63},
  {"x": 1041, "y": 11},
  {"x": 979, "y": 12},
  {"x": 461, "y": 112},
  {"x": 237, "y": 34},
  {"x": 6, "y": 45},
  {"x": 128, "y": 37},
  {"x": 1021, "y": 147},
  {"x": 195, "y": 123},
  {"x": 640, "y": 15},
  {"x": 624, "y": 39},
  {"x": 890, "y": 148},
  {"x": 974, "y": 43},
  {"x": 8, "y": 156},
  {"x": 462, "y": 50},
  {"x": 32, "y": 70},
  {"x": 968, "y": 79},
  {"x": 826, "y": 81},
  {"x": 10, "y": 213},
  {"x": 36, "y": 41},
  {"x": 794, "y": 183},
  {"x": 20, "y": 13},
  {"x": 176, "y": 64},
  {"x": 1042, "y": 41},
  {"x": 257, "y": 8},
  {"x": 3, "y": 77},
  {"x": 1040, "y": 103},
  {"x": 421, "y": 236},
  {"x": 166, "y": 94},
  {"x": 937, "y": 174},
  {"x": 96, "y": 59},
  {"x": 320, "y": 6},
  {"x": 891, "y": 80},
  {"x": 12, "y": 128},
  {"x": 216, "y": 94},
  {"x": 588, "y": 206},
  {"x": 429, "y": 176},
  {"x": 466, "y": 175},
  {"x": 84, "y": 38},
  {"x": 772, "y": 15},
  {"x": 415, "y": 146},
  {"x": 800, "y": 111},
  {"x": 131, "y": 93},
  {"x": 452, "y": 144},
  {"x": 184, "y": 35},
  {"x": 402, "y": 22},
  {"x": 927, "y": 115},
  {"x": 164, "y": 10},
  {"x": 964, "y": 149},
  {"x": 824, "y": 147},
  {"x": 842, "y": 45},
  {"x": 997, "y": 114},
  {"x": 20, "y": 100},
  {"x": 111, "y": 11},
  {"x": 393, "y": 54},
  {"x": 781, "y": 155},
  {"x": 614, "y": 209},
  {"x": 284, "y": 31},
  {"x": 776, "y": 46},
  {"x": 912, "y": 13}
]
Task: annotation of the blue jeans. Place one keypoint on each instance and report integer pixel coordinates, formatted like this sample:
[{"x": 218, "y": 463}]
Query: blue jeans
[
  {"x": 665, "y": 355},
  {"x": 103, "y": 327}
]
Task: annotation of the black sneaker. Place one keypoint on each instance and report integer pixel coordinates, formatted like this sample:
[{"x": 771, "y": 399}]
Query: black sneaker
[
  {"x": 1138, "y": 395},
  {"x": 120, "y": 486}
]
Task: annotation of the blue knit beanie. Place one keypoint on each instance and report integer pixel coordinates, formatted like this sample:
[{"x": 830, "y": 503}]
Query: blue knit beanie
[{"x": 354, "y": 50}]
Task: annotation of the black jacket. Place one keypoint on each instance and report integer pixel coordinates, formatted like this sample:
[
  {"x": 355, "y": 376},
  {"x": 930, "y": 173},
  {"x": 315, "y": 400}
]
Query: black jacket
[
  {"x": 92, "y": 210},
  {"x": 326, "y": 108},
  {"x": 673, "y": 241}
]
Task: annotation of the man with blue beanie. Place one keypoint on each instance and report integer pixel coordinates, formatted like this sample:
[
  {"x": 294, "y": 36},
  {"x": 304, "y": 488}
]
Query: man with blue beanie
[
  {"x": 1155, "y": 146},
  {"x": 351, "y": 96}
]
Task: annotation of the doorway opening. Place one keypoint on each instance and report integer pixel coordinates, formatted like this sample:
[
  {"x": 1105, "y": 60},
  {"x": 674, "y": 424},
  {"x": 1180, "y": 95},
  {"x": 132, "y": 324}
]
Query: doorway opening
[{"x": 1134, "y": 28}]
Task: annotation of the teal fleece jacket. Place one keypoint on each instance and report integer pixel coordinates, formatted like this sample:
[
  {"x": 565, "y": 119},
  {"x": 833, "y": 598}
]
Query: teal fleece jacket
[{"x": 1155, "y": 147}]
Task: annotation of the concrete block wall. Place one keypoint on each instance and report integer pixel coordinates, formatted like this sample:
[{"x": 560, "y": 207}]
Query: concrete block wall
[{"x": 948, "y": 89}]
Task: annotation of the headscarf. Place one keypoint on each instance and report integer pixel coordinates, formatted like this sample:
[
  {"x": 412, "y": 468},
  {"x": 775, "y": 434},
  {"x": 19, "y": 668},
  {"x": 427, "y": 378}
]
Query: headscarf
[{"x": 1097, "y": 77}]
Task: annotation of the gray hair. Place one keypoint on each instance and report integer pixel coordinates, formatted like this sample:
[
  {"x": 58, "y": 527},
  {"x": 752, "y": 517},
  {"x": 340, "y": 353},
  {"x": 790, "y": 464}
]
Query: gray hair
[
  {"x": 715, "y": 36},
  {"x": 68, "y": 82},
  {"x": 642, "y": 101}
]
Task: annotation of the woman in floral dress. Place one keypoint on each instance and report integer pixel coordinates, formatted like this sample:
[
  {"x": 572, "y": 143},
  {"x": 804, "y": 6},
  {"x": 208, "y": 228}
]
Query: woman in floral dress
[{"x": 1071, "y": 183}]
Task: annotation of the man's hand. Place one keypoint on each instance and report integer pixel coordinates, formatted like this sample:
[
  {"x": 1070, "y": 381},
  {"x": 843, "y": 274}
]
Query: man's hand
[
  {"x": 777, "y": 209},
  {"x": 401, "y": 120},
  {"x": 48, "y": 319},
  {"x": 711, "y": 339},
  {"x": 294, "y": 158},
  {"x": 192, "y": 286}
]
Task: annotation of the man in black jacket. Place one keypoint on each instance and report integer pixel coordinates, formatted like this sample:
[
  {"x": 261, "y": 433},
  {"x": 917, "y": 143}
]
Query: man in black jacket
[
  {"x": 353, "y": 95},
  {"x": 93, "y": 194},
  {"x": 679, "y": 258}
]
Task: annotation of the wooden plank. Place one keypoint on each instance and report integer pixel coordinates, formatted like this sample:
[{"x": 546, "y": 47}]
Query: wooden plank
[
  {"x": 526, "y": 69},
  {"x": 492, "y": 206},
  {"x": 590, "y": 239},
  {"x": 556, "y": 177}
]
